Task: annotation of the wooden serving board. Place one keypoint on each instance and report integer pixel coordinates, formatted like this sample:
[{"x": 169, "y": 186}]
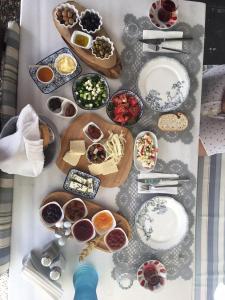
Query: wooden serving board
[
  {"x": 93, "y": 208},
  {"x": 75, "y": 132},
  {"x": 109, "y": 67}
]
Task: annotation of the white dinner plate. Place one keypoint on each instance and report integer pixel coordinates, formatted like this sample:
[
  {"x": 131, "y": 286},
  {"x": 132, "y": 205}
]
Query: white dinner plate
[
  {"x": 164, "y": 83},
  {"x": 161, "y": 223}
]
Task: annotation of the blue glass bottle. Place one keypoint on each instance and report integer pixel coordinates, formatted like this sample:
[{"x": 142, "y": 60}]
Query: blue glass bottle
[{"x": 85, "y": 280}]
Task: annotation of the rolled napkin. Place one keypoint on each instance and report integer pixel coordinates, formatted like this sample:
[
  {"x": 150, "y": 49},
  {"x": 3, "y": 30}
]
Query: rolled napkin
[
  {"x": 159, "y": 190},
  {"x": 156, "y": 34},
  {"x": 21, "y": 153}
]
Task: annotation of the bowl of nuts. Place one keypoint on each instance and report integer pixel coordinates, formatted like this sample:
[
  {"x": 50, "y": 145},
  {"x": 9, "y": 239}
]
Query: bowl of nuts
[
  {"x": 102, "y": 47},
  {"x": 67, "y": 15}
]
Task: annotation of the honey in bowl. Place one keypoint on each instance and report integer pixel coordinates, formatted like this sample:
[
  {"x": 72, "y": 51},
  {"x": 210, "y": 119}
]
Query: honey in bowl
[
  {"x": 81, "y": 40},
  {"x": 45, "y": 74},
  {"x": 103, "y": 222}
]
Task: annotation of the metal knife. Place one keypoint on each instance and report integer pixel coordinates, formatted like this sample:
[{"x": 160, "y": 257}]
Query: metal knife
[
  {"x": 162, "y": 180},
  {"x": 161, "y": 40}
]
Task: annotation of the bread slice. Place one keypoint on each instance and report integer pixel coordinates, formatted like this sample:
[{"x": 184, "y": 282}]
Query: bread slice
[
  {"x": 173, "y": 122},
  {"x": 46, "y": 134}
]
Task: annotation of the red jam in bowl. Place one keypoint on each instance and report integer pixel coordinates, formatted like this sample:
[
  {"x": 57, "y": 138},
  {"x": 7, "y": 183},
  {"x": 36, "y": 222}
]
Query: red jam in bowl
[
  {"x": 51, "y": 213},
  {"x": 83, "y": 230},
  {"x": 75, "y": 210},
  {"x": 116, "y": 239}
]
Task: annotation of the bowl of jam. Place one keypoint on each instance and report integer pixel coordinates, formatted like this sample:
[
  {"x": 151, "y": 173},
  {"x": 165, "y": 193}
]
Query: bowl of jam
[
  {"x": 62, "y": 107},
  {"x": 83, "y": 230},
  {"x": 51, "y": 213},
  {"x": 93, "y": 132},
  {"x": 96, "y": 153},
  {"x": 116, "y": 239},
  {"x": 103, "y": 221},
  {"x": 74, "y": 210},
  {"x": 151, "y": 275}
]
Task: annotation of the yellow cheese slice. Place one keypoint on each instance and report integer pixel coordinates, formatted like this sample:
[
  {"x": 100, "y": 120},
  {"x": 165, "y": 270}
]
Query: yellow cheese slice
[
  {"x": 71, "y": 158},
  {"x": 109, "y": 167},
  {"x": 77, "y": 147},
  {"x": 95, "y": 169}
]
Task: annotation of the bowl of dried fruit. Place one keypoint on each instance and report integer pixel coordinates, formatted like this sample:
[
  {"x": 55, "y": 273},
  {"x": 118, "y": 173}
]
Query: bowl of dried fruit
[
  {"x": 67, "y": 15},
  {"x": 102, "y": 47}
]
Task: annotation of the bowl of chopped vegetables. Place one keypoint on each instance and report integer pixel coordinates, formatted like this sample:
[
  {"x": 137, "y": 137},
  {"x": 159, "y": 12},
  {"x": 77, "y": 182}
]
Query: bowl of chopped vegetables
[
  {"x": 91, "y": 91},
  {"x": 125, "y": 108}
]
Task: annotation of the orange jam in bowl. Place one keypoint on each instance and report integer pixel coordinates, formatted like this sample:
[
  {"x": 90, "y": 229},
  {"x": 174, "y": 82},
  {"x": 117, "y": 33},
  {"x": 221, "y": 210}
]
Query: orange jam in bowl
[{"x": 103, "y": 221}]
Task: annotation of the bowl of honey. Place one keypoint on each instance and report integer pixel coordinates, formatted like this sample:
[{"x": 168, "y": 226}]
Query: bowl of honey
[{"x": 45, "y": 74}]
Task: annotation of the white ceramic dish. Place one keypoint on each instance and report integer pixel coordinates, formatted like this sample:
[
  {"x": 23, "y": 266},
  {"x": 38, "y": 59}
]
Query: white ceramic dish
[
  {"x": 73, "y": 37},
  {"x": 161, "y": 223},
  {"x": 65, "y": 102},
  {"x": 85, "y": 132},
  {"x": 161, "y": 271},
  {"x": 109, "y": 41},
  {"x": 75, "y": 200},
  {"x": 102, "y": 232},
  {"x": 91, "y": 162},
  {"x": 45, "y": 67},
  {"x": 153, "y": 16},
  {"x": 93, "y": 235},
  {"x": 164, "y": 83},
  {"x": 61, "y": 57},
  {"x": 51, "y": 224},
  {"x": 64, "y": 5},
  {"x": 138, "y": 165},
  {"x": 100, "y": 18},
  {"x": 125, "y": 245}
]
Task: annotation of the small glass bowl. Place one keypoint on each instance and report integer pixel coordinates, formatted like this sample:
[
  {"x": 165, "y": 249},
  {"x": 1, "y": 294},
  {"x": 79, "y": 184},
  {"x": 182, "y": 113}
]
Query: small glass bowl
[
  {"x": 82, "y": 15},
  {"x": 109, "y": 41},
  {"x": 67, "y": 5}
]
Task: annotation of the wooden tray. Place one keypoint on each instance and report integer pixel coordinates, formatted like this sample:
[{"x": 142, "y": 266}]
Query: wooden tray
[
  {"x": 75, "y": 132},
  {"x": 93, "y": 208},
  {"x": 109, "y": 67}
]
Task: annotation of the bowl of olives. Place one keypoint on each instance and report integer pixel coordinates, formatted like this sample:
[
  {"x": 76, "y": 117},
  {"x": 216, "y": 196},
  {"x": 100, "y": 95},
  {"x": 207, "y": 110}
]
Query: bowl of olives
[{"x": 67, "y": 15}]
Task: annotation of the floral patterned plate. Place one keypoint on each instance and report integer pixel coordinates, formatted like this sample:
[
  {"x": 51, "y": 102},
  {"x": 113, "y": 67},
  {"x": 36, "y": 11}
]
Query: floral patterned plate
[
  {"x": 161, "y": 223},
  {"x": 164, "y": 84}
]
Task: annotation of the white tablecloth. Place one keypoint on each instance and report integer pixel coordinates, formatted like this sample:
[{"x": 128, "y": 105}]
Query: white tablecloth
[{"x": 39, "y": 38}]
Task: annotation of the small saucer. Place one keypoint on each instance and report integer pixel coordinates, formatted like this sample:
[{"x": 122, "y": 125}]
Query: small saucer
[{"x": 153, "y": 16}]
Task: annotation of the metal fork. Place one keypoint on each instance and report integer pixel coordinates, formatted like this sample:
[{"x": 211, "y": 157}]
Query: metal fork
[
  {"x": 158, "y": 48},
  {"x": 148, "y": 187}
]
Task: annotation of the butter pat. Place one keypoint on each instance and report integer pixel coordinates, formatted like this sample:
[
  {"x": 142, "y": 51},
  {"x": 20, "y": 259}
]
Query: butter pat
[
  {"x": 77, "y": 147},
  {"x": 65, "y": 64}
]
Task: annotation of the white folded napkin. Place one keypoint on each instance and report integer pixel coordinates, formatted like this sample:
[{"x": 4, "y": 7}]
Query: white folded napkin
[
  {"x": 21, "y": 153},
  {"x": 158, "y": 190},
  {"x": 157, "y": 34}
]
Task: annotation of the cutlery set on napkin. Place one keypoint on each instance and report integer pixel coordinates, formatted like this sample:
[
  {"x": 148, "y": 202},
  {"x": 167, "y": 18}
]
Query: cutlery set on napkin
[
  {"x": 165, "y": 42},
  {"x": 159, "y": 183}
]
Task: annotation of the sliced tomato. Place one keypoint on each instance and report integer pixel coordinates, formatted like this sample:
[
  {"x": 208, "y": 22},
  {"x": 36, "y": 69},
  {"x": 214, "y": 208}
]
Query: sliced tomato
[{"x": 132, "y": 101}]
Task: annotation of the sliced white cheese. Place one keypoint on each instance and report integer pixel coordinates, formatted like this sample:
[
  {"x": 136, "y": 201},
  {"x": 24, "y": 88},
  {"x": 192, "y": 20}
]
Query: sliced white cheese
[
  {"x": 95, "y": 169},
  {"x": 77, "y": 147},
  {"x": 79, "y": 179},
  {"x": 78, "y": 186},
  {"x": 109, "y": 167},
  {"x": 71, "y": 158}
]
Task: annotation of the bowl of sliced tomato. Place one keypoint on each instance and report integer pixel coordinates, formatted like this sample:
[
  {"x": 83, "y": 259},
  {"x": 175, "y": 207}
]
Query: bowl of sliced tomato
[{"x": 125, "y": 108}]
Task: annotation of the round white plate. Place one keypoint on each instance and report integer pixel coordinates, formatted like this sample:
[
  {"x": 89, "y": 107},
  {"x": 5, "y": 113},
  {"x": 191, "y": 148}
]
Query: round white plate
[
  {"x": 161, "y": 223},
  {"x": 164, "y": 83}
]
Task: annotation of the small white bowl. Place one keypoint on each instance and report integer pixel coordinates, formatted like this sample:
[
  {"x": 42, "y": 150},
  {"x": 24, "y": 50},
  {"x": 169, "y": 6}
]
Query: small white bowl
[
  {"x": 64, "y": 102},
  {"x": 113, "y": 219},
  {"x": 93, "y": 235},
  {"x": 61, "y": 57},
  {"x": 64, "y": 5},
  {"x": 88, "y": 150},
  {"x": 81, "y": 16},
  {"x": 51, "y": 224},
  {"x": 78, "y": 200},
  {"x": 106, "y": 39},
  {"x": 73, "y": 37},
  {"x": 85, "y": 132},
  {"x": 126, "y": 242},
  {"x": 46, "y": 67}
]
